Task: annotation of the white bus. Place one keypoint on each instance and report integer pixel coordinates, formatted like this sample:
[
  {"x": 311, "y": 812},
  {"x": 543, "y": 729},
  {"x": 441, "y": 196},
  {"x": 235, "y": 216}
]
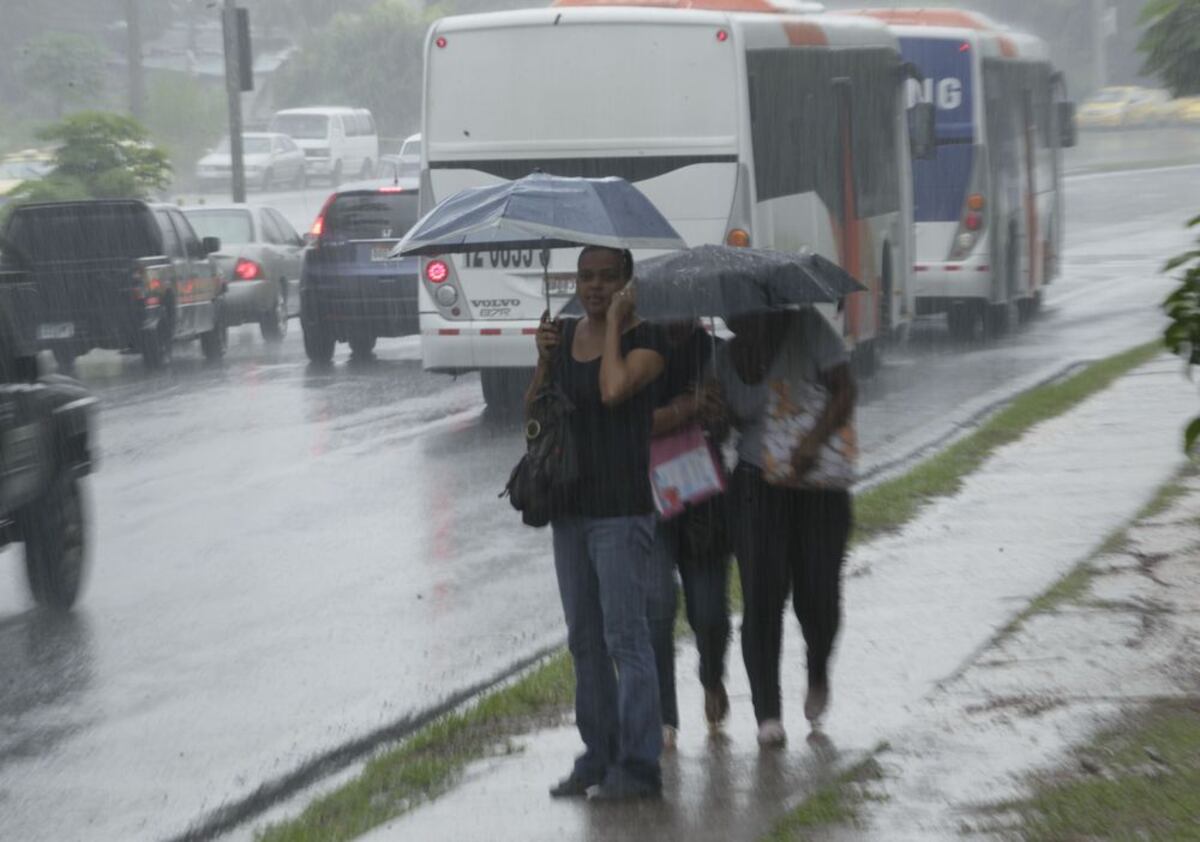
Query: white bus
[
  {"x": 988, "y": 204},
  {"x": 743, "y": 124}
]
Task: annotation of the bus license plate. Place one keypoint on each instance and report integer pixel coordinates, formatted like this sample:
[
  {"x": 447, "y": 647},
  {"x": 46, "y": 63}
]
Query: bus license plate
[
  {"x": 56, "y": 330},
  {"x": 562, "y": 286},
  {"x": 379, "y": 253}
]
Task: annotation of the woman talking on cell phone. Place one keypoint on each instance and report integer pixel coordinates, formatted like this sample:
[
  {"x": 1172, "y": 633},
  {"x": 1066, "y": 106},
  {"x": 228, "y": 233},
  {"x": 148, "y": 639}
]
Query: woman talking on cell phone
[{"x": 603, "y": 531}]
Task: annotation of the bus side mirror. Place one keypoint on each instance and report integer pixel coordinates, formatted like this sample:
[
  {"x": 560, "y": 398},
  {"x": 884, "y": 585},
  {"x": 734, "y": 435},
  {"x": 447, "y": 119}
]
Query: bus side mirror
[
  {"x": 922, "y": 134},
  {"x": 1068, "y": 134}
]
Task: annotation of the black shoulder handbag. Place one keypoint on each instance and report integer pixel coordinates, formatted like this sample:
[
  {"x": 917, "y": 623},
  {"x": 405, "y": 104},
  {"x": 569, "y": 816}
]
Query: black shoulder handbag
[{"x": 550, "y": 467}]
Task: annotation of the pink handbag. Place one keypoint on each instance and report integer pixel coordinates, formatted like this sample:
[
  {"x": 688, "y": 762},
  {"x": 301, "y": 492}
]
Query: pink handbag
[{"x": 684, "y": 471}]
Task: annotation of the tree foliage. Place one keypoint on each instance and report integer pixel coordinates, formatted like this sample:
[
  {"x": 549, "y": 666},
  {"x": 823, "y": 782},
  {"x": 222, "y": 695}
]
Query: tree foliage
[
  {"x": 370, "y": 60},
  {"x": 99, "y": 155},
  {"x": 1182, "y": 335},
  {"x": 66, "y": 68},
  {"x": 1171, "y": 43}
]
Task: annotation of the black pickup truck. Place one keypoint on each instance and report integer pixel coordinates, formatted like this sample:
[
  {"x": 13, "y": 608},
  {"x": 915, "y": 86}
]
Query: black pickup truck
[
  {"x": 119, "y": 274},
  {"x": 45, "y": 450}
]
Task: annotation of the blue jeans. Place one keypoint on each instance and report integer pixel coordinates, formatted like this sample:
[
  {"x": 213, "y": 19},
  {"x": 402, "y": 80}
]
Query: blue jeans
[{"x": 602, "y": 566}]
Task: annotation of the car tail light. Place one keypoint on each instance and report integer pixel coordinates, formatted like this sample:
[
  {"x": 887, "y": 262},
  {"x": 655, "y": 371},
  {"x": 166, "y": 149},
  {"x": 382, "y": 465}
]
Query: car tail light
[
  {"x": 738, "y": 238},
  {"x": 318, "y": 226},
  {"x": 436, "y": 271},
  {"x": 246, "y": 270}
]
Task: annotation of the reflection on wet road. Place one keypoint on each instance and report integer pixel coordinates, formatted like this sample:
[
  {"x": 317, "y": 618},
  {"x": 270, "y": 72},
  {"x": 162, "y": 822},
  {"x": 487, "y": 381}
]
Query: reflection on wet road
[{"x": 288, "y": 557}]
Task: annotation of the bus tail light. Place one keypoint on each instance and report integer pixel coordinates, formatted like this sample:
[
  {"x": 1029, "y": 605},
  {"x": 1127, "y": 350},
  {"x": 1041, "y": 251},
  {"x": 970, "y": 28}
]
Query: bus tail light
[
  {"x": 976, "y": 202},
  {"x": 436, "y": 271},
  {"x": 738, "y": 238},
  {"x": 974, "y": 221}
]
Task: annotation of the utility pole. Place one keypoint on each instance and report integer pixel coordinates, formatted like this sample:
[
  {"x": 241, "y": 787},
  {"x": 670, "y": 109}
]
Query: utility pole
[
  {"x": 233, "y": 92},
  {"x": 1101, "y": 22},
  {"x": 133, "y": 57}
]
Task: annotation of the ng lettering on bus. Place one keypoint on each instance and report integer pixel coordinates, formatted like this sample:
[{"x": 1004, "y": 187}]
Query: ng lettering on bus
[{"x": 947, "y": 94}]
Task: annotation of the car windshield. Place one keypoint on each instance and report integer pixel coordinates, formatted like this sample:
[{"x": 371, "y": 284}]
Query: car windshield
[
  {"x": 303, "y": 126},
  {"x": 372, "y": 215},
  {"x": 231, "y": 225},
  {"x": 250, "y": 145}
]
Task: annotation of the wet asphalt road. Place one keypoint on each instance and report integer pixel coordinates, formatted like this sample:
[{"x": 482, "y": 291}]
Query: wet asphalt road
[{"x": 287, "y": 558}]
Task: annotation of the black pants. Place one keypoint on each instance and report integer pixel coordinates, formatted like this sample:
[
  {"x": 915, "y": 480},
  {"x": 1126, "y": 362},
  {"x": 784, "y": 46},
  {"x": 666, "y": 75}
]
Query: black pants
[
  {"x": 787, "y": 539},
  {"x": 706, "y": 601}
]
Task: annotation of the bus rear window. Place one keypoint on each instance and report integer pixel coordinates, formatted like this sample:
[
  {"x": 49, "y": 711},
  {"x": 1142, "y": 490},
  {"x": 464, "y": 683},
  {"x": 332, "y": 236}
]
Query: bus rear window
[{"x": 372, "y": 215}]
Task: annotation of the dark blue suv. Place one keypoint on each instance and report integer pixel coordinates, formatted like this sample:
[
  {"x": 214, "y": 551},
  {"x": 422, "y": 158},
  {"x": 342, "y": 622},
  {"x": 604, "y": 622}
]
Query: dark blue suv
[{"x": 350, "y": 290}]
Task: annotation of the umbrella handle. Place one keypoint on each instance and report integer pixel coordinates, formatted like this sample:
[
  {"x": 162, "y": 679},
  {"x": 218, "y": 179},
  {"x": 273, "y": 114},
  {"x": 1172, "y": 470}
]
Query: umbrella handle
[{"x": 545, "y": 259}]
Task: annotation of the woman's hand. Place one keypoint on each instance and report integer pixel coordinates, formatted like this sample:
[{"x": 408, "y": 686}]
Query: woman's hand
[
  {"x": 711, "y": 408},
  {"x": 549, "y": 337},
  {"x": 621, "y": 308}
]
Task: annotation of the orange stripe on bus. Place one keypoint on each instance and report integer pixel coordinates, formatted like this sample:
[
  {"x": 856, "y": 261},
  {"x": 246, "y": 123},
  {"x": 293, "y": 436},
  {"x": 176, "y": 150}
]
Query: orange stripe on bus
[
  {"x": 805, "y": 34},
  {"x": 927, "y": 17},
  {"x": 710, "y": 5}
]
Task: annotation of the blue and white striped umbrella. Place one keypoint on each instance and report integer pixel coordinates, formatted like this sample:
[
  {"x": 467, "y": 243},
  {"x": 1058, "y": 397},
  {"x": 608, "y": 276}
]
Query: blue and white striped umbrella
[{"x": 542, "y": 211}]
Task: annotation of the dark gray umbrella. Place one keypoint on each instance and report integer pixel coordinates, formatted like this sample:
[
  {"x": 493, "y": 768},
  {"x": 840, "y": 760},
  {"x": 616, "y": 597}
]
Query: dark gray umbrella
[
  {"x": 725, "y": 282},
  {"x": 542, "y": 211}
]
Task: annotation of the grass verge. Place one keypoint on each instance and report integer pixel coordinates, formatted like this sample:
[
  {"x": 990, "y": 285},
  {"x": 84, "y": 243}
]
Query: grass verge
[
  {"x": 422, "y": 768},
  {"x": 1139, "y": 780},
  {"x": 835, "y": 803},
  {"x": 428, "y": 764}
]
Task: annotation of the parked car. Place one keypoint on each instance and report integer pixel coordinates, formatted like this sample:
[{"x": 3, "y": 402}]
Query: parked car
[
  {"x": 120, "y": 274},
  {"x": 260, "y": 260},
  {"x": 1149, "y": 107},
  {"x": 27, "y": 165},
  {"x": 406, "y": 163},
  {"x": 337, "y": 141},
  {"x": 1107, "y": 108},
  {"x": 269, "y": 159},
  {"x": 45, "y": 452},
  {"x": 1186, "y": 111},
  {"x": 350, "y": 289}
]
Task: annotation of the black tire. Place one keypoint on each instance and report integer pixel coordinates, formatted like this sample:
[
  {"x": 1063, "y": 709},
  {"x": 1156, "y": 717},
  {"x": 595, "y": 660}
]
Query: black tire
[
  {"x": 504, "y": 388},
  {"x": 362, "y": 345},
  {"x": 214, "y": 342},
  {"x": 865, "y": 359},
  {"x": 886, "y": 300},
  {"x": 65, "y": 358},
  {"x": 318, "y": 344},
  {"x": 962, "y": 319},
  {"x": 55, "y": 535},
  {"x": 274, "y": 325},
  {"x": 157, "y": 345},
  {"x": 1003, "y": 316}
]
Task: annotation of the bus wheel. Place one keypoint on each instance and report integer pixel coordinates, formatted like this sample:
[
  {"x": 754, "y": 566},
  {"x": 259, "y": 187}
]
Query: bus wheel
[
  {"x": 504, "y": 388},
  {"x": 1001, "y": 318},
  {"x": 962, "y": 318},
  {"x": 865, "y": 359},
  {"x": 885, "y": 298}
]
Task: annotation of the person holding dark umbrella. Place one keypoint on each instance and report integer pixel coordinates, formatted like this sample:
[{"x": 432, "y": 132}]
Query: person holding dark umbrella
[
  {"x": 605, "y": 363},
  {"x": 786, "y": 382}
]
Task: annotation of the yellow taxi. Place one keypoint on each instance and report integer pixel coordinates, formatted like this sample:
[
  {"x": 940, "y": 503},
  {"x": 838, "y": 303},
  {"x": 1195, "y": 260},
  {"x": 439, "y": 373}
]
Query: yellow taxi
[
  {"x": 1186, "y": 111},
  {"x": 1108, "y": 108},
  {"x": 1150, "y": 107}
]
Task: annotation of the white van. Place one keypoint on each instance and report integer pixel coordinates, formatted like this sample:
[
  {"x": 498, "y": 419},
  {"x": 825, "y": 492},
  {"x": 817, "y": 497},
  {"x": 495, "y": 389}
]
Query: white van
[{"x": 337, "y": 141}]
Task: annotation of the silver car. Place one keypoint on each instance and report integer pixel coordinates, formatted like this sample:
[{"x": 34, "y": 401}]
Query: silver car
[
  {"x": 260, "y": 258},
  {"x": 269, "y": 159}
]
